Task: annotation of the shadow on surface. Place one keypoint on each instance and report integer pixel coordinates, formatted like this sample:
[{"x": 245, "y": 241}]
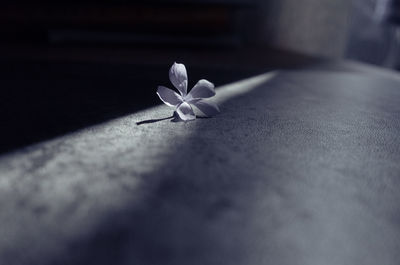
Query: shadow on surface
[
  {"x": 175, "y": 224},
  {"x": 254, "y": 185}
]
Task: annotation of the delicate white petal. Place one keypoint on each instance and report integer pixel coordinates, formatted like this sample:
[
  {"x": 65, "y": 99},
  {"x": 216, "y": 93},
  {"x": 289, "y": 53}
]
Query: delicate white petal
[
  {"x": 185, "y": 112},
  {"x": 203, "y": 89},
  {"x": 168, "y": 96},
  {"x": 178, "y": 77},
  {"x": 207, "y": 107}
]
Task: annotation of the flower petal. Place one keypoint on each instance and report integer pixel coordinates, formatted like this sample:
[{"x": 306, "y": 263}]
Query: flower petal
[
  {"x": 185, "y": 112},
  {"x": 178, "y": 77},
  {"x": 207, "y": 107},
  {"x": 168, "y": 96},
  {"x": 203, "y": 89}
]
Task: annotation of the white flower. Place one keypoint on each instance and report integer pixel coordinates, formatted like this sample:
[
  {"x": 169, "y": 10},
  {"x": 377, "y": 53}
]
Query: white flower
[{"x": 183, "y": 102}]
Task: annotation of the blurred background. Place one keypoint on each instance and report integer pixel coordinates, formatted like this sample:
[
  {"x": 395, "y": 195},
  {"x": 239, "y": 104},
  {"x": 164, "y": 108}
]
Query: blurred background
[{"x": 69, "y": 64}]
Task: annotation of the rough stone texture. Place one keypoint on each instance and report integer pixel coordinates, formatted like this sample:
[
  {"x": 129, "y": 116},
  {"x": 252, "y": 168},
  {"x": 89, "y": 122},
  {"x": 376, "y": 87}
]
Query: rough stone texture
[{"x": 300, "y": 167}]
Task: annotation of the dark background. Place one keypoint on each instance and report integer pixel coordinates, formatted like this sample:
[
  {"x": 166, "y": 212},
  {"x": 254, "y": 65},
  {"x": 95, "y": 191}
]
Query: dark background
[{"x": 70, "y": 64}]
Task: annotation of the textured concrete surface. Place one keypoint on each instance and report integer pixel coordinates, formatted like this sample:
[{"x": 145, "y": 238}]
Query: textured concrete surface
[{"x": 300, "y": 167}]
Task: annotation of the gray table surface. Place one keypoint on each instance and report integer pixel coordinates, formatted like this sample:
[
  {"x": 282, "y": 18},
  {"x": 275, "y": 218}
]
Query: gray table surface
[{"x": 300, "y": 167}]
